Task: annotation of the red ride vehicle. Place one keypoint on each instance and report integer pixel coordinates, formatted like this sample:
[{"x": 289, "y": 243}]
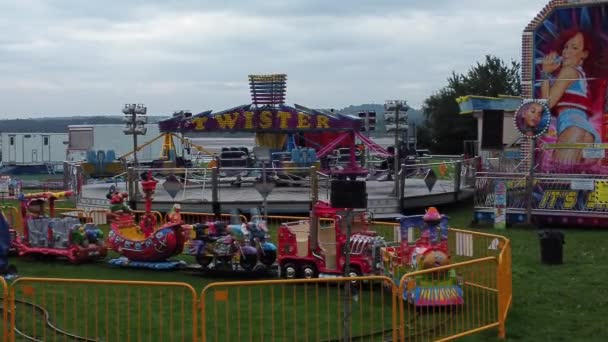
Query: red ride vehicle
[
  {"x": 314, "y": 248},
  {"x": 53, "y": 236}
]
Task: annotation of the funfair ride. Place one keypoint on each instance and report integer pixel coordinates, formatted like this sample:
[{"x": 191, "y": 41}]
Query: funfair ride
[
  {"x": 52, "y": 236},
  {"x": 314, "y": 248},
  {"x": 144, "y": 244},
  {"x": 430, "y": 250}
]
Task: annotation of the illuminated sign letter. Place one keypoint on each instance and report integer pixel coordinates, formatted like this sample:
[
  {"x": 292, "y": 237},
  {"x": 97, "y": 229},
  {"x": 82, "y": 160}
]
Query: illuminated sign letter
[
  {"x": 322, "y": 121},
  {"x": 248, "y": 120},
  {"x": 570, "y": 200},
  {"x": 265, "y": 119},
  {"x": 303, "y": 121},
  {"x": 227, "y": 120},
  {"x": 284, "y": 119},
  {"x": 199, "y": 123}
]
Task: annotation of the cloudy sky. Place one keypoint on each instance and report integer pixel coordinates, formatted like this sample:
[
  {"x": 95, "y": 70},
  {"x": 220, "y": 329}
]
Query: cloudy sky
[{"x": 72, "y": 57}]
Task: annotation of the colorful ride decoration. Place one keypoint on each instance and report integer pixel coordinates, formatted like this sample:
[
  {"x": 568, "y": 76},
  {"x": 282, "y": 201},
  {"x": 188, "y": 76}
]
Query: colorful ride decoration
[
  {"x": 50, "y": 235},
  {"x": 430, "y": 250},
  {"x": 314, "y": 248},
  {"x": 145, "y": 244},
  {"x": 221, "y": 246}
]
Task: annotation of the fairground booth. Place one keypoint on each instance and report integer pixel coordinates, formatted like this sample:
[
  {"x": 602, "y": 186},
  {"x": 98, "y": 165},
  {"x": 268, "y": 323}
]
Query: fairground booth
[{"x": 544, "y": 153}]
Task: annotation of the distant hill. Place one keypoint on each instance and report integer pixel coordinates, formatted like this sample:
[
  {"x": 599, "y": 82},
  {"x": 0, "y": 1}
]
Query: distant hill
[{"x": 60, "y": 124}]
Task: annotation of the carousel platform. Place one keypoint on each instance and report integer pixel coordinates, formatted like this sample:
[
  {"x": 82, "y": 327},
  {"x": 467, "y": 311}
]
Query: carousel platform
[{"x": 287, "y": 200}]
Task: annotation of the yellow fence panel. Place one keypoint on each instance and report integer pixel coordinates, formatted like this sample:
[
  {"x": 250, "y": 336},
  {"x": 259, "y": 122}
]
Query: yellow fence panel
[
  {"x": 390, "y": 231},
  {"x": 467, "y": 245},
  {"x": 98, "y": 216},
  {"x": 102, "y": 310},
  {"x": 5, "y": 326},
  {"x": 505, "y": 287},
  {"x": 159, "y": 217},
  {"x": 13, "y": 216},
  {"x": 193, "y": 218},
  {"x": 300, "y": 310},
  {"x": 471, "y": 289}
]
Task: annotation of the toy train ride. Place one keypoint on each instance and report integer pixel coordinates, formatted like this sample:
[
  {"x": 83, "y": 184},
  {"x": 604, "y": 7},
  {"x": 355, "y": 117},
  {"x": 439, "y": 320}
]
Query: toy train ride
[{"x": 53, "y": 236}]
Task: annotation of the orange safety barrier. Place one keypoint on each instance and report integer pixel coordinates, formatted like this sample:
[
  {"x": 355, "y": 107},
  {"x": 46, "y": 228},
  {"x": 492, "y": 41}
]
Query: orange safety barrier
[
  {"x": 300, "y": 310},
  {"x": 110, "y": 310},
  {"x": 98, "y": 216},
  {"x": 471, "y": 288},
  {"x": 193, "y": 218},
  {"x": 5, "y": 318},
  {"x": 159, "y": 217},
  {"x": 72, "y": 212},
  {"x": 389, "y": 230}
]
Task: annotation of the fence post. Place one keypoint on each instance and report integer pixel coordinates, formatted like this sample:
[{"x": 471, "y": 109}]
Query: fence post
[
  {"x": 457, "y": 171},
  {"x": 500, "y": 288},
  {"x": 530, "y": 182},
  {"x": 215, "y": 192},
  {"x": 131, "y": 187},
  {"x": 314, "y": 184},
  {"x": 401, "y": 193}
]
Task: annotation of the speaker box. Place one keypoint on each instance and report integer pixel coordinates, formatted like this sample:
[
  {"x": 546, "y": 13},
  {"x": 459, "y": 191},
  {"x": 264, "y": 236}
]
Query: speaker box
[
  {"x": 348, "y": 194},
  {"x": 491, "y": 135}
]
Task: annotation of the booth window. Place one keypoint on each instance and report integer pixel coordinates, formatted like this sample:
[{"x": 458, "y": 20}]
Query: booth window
[
  {"x": 12, "y": 141},
  {"x": 45, "y": 141}
]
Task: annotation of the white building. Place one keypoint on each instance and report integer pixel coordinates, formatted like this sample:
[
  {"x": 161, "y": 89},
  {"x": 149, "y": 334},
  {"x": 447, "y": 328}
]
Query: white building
[
  {"x": 83, "y": 138},
  {"x": 33, "y": 148}
]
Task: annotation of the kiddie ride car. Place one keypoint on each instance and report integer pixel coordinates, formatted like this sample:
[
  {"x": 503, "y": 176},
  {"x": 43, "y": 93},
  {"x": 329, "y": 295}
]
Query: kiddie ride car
[
  {"x": 438, "y": 288},
  {"x": 313, "y": 248},
  {"x": 221, "y": 246},
  {"x": 146, "y": 244},
  {"x": 53, "y": 236}
]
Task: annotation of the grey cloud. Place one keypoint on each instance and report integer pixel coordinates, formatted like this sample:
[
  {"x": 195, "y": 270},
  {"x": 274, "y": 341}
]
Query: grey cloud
[{"x": 73, "y": 57}]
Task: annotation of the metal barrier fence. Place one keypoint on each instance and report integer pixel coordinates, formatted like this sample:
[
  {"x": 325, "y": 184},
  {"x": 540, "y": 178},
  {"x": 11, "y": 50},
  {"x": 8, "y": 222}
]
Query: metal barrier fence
[
  {"x": 474, "y": 281},
  {"x": 13, "y": 216},
  {"x": 302, "y": 310},
  {"x": 5, "y": 324},
  {"x": 92, "y": 310},
  {"x": 299, "y": 310},
  {"x": 448, "y": 175},
  {"x": 192, "y": 218},
  {"x": 100, "y": 216}
]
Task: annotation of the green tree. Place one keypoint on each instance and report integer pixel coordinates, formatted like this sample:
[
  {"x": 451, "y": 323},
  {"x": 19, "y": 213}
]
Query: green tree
[{"x": 448, "y": 129}]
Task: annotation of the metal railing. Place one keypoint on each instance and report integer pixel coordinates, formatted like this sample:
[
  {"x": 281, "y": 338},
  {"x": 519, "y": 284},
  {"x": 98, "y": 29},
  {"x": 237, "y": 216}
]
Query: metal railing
[
  {"x": 50, "y": 309},
  {"x": 299, "y": 310}
]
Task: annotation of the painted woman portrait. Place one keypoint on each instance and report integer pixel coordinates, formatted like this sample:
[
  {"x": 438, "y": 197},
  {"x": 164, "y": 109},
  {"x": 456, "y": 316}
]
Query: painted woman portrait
[
  {"x": 532, "y": 119},
  {"x": 575, "y": 96},
  {"x": 570, "y": 53}
]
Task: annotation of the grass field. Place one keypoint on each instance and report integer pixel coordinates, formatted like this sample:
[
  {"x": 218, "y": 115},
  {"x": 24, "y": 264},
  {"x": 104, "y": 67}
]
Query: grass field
[{"x": 550, "y": 303}]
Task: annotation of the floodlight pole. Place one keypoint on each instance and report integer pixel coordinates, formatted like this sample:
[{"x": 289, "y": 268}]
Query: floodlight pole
[
  {"x": 396, "y": 153},
  {"x": 133, "y": 123},
  {"x": 398, "y": 105}
]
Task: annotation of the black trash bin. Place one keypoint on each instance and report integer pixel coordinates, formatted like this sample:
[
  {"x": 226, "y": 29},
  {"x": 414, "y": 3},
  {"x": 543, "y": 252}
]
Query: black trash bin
[{"x": 551, "y": 247}]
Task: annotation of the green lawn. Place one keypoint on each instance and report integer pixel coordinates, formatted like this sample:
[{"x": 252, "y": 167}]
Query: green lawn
[{"x": 550, "y": 303}]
